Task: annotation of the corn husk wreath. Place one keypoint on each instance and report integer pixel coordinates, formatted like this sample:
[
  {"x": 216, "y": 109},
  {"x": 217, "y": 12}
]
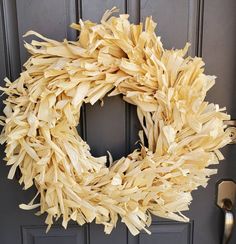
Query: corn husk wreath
[{"x": 183, "y": 131}]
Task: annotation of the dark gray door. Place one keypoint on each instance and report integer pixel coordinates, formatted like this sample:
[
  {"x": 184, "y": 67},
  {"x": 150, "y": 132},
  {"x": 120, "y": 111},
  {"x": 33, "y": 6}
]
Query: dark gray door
[{"x": 209, "y": 25}]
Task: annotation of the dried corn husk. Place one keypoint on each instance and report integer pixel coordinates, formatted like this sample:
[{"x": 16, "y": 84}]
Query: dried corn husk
[{"x": 184, "y": 132}]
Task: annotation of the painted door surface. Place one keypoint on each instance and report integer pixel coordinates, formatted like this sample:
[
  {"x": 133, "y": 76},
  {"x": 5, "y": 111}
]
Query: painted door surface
[{"x": 210, "y": 25}]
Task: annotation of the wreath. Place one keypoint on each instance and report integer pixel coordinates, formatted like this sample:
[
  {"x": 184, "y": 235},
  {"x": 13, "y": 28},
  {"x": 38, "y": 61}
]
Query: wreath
[{"x": 42, "y": 109}]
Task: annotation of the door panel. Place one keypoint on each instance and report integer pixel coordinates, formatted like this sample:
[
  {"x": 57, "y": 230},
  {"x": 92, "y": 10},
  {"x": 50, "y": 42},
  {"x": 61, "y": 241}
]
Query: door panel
[
  {"x": 105, "y": 126},
  {"x": 165, "y": 232},
  {"x": 50, "y": 18},
  {"x": 217, "y": 46},
  {"x": 208, "y": 25},
  {"x": 170, "y": 16},
  {"x": 57, "y": 235},
  {"x": 2, "y": 49}
]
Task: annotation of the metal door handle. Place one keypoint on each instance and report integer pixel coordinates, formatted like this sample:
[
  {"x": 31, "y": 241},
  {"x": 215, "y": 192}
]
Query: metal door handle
[
  {"x": 229, "y": 220},
  {"x": 226, "y": 194}
]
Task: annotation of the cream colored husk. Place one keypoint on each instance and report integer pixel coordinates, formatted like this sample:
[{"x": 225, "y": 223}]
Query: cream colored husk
[{"x": 184, "y": 132}]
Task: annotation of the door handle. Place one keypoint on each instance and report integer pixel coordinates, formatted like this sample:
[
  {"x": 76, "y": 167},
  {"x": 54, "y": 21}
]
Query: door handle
[
  {"x": 228, "y": 220},
  {"x": 225, "y": 200}
]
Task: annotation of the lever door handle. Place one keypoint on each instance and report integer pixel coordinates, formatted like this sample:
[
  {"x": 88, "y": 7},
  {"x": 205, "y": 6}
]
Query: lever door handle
[
  {"x": 228, "y": 220},
  {"x": 225, "y": 200}
]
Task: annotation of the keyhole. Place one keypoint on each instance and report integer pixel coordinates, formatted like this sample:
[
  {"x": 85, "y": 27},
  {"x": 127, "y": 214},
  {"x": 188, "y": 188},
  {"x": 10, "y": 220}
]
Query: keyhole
[{"x": 227, "y": 204}]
